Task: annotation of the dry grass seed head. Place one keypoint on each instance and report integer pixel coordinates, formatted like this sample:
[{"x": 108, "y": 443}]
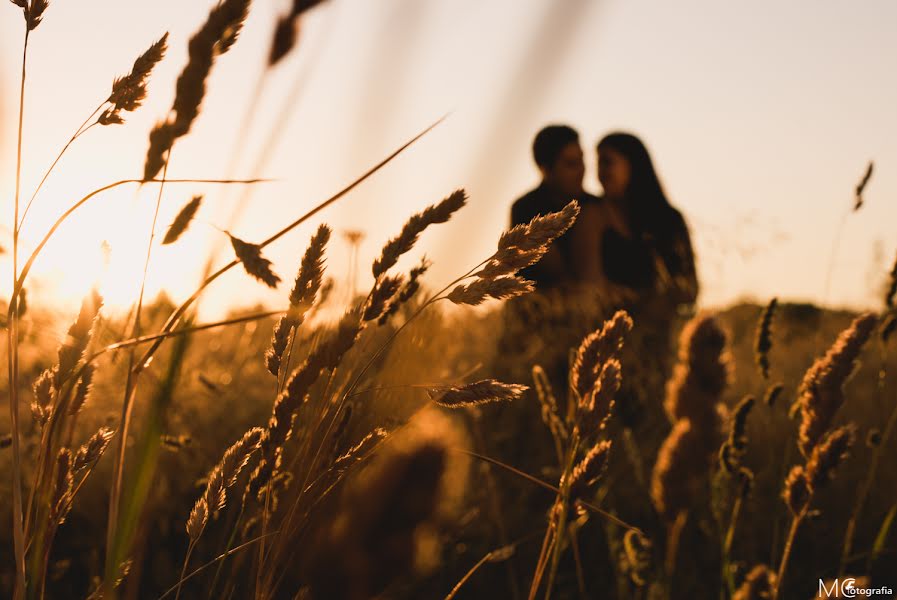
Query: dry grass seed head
[
  {"x": 821, "y": 391},
  {"x": 385, "y": 290},
  {"x": 828, "y": 454},
  {"x": 701, "y": 375},
  {"x": 396, "y": 247},
  {"x": 92, "y": 450},
  {"x": 472, "y": 394},
  {"x": 595, "y": 408},
  {"x": 540, "y": 231},
  {"x": 735, "y": 446},
  {"x": 302, "y": 297},
  {"x": 763, "y": 339},
  {"x": 861, "y": 186},
  {"x": 311, "y": 270},
  {"x": 406, "y": 292},
  {"x": 797, "y": 490},
  {"x": 216, "y": 36},
  {"x": 590, "y": 469},
  {"x": 82, "y": 390},
  {"x": 772, "y": 394},
  {"x": 225, "y": 474},
  {"x": 285, "y": 30},
  {"x": 182, "y": 221},
  {"x": 44, "y": 396},
  {"x": 128, "y": 92},
  {"x": 510, "y": 260},
  {"x": 33, "y": 13},
  {"x": 682, "y": 461},
  {"x": 78, "y": 337},
  {"x": 62, "y": 487},
  {"x": 255, "y": 264},
  {"x": 597, "y": 348},
  {"x": 197, "y": 520},
  {"x": 480, "y": 290}
]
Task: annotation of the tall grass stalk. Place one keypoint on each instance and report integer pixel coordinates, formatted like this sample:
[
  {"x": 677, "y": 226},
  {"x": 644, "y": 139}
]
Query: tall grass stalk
[
  {"x": 786, "y": 553},
  {"x": 13, "y": 352},
  {"x": 115, "y": 489}
]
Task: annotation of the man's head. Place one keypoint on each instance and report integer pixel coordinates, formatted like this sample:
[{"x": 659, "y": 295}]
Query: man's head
[{"x": 559, "y": 157}]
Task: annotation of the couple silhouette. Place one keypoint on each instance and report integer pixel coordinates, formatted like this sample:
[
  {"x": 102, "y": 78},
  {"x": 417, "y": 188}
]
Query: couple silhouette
[
  {"x": 630, "y": 246},
  {"x": 629, "y": 249}
]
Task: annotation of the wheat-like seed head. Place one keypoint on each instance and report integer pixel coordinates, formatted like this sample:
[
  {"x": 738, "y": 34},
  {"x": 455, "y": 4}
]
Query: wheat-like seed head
[
  {"x": 763, "y": 339},
  {"x": 472, "y": 394},
  {"x": 821, "y": 392},
  {"x": 255, "y": 264},
  {"x": 386, "y": 288},
  {"x": 34, "y": 12},
  {"x": 82, "y": 390},
  {"x": 596, "y": 406},
  {"x": 597, "y": 348},
  {"x": 197, "y": 520},
  {"x": 589, "y": 469},
  {"x": 550, "y": 413},
  {"x": 510, "y": 260},
  {"x": 302, "y": 297},
  {"x": 224, "y": 475},
  {"x": 75, "y": 344},
  {"x": 680, "y": 462},
  {"x": 62, "y": 487},
  {"x": 215, "y": 37},
  {"x": 44, "y": 396},
  {"x": 828, "y": 454},
  {"x": 861, "y": 186},
  {"x": 128, "y": 92},
  {"x": 406, "y": 292},
  {"x": 284, "y": 38},
  {"x": 182, "y": 221},
  {"x": 701, "y": 375},
  {"x": 480, "y": 290},
  {"x": 437, "y": 213},
  {"x": 734, "y": 447},
  {"x": 772, "y": 393},
  {"x": 311, "y": 270},
  {"x": 92, "y": 450},
  {"x": 797, "y": 490},
  {"x": 325, "y": 356},
  {"x": 540, "y": 231}
]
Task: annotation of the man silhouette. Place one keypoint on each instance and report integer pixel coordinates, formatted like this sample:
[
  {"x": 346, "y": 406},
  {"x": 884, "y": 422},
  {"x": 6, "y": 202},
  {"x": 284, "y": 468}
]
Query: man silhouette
[{"x": 559, "y": 157}]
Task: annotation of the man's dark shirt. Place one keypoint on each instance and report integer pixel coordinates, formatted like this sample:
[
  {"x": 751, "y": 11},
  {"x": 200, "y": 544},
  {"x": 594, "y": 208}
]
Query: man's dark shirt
[{"x": 542, "y": 201}]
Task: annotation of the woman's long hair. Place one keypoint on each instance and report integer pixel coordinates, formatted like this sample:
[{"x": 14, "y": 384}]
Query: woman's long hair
[
  {"x": 648, "y": 212},
  {"x": 646, "y": 206}
]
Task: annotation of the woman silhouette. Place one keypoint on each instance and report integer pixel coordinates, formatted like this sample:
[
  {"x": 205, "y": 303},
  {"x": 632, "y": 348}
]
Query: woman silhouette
[
  {"x": 644, "y": 248},
  {"x": 645, "y": 265}
]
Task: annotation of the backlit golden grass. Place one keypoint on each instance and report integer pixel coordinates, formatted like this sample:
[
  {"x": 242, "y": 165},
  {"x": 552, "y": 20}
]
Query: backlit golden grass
[{"x": 551, "y": 447}]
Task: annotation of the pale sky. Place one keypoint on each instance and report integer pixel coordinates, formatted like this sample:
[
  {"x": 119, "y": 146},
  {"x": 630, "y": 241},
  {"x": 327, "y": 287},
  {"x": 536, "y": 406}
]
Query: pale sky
[{"x": 760, "y": 118}]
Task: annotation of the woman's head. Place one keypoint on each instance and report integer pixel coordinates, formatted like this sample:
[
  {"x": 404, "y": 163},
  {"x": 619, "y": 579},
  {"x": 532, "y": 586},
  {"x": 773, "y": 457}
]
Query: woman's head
[
  {"x": 625, "y": 169},
  {"x": 627, "y": 173}
]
